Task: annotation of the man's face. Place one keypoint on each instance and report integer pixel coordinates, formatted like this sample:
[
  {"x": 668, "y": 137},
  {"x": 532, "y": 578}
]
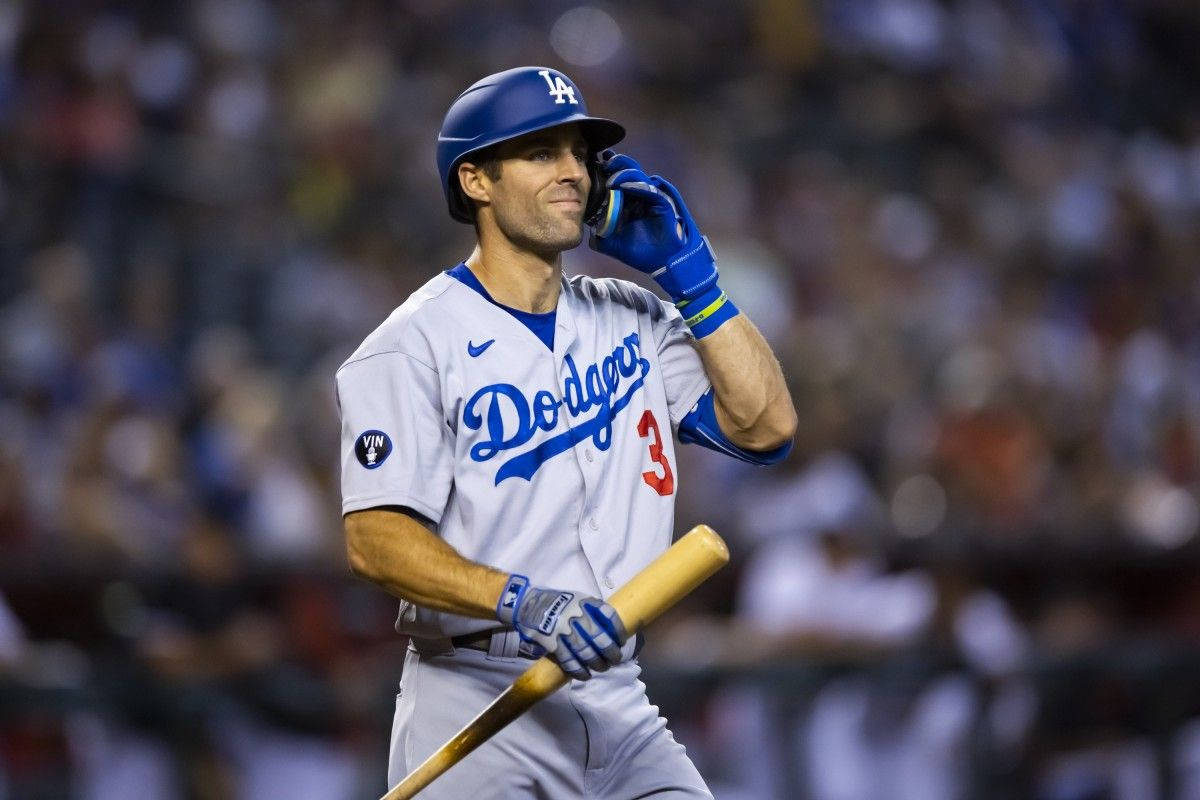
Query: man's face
[{"x": 539, "y": 198}]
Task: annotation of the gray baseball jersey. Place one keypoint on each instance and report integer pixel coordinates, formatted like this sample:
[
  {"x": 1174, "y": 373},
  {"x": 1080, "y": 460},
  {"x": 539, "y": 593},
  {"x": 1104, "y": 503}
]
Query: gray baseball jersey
[{"x": 558, "y": 465}]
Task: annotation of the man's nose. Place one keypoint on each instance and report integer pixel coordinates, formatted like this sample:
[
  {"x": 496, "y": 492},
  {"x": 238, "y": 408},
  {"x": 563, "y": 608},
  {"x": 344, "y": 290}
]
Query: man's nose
[{"x": 571, "y": 168}]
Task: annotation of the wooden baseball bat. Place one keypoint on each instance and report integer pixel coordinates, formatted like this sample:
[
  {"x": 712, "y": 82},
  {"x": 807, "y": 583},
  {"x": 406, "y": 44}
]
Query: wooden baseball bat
[{"x": 684, "y": 566}]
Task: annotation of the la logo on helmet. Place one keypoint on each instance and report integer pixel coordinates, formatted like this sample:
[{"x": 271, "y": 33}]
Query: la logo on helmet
[{"x": 562, "y": 91}]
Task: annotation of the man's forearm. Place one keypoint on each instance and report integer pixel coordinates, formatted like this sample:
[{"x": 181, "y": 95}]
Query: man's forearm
[
  {"x": 753, "y": 406},
  {"x": 398, "y": 552}
]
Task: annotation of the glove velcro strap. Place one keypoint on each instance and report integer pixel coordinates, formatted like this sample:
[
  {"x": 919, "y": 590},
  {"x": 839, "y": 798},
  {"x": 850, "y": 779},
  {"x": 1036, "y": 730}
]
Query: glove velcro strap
[
  {"x": 689, "y": 274},
  {"x": 707, "y": 312},
  {"x": 510, "y": 598}
]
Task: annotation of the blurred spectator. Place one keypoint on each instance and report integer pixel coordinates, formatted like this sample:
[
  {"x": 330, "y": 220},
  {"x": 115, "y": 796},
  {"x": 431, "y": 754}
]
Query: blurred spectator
[{"x": 12, "y": 637}]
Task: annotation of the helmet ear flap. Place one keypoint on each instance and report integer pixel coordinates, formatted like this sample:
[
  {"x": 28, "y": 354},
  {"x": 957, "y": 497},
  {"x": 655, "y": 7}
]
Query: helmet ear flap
[
  {"x": 598, "y": 193},
  {"x": 603, "y": 204}
]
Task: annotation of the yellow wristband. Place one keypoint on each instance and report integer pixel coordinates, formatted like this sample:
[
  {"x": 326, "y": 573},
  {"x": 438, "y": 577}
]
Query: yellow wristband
[{"x": 707, "y": 311}]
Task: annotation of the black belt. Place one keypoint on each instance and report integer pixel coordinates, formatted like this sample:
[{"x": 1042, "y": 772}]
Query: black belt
[{"x": 483, "y": 641}]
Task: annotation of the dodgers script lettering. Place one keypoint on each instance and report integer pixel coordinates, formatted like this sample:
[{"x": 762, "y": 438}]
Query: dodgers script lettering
[{"x": 622, "y": 372}]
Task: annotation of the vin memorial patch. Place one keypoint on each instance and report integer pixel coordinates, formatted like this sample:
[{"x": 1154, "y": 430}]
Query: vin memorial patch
[{"x": 372, "y": 448}]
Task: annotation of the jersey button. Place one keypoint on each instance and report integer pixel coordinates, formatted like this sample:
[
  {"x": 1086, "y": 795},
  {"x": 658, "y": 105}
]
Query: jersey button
[
  {"x": 587, "y": 453},
  {"x": 593, "y": 524},
  {"x": 608, "y": 581}
]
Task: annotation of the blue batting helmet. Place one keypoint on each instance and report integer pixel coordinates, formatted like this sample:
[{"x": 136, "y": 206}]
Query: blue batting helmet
[{"x": 507, "y": 105}]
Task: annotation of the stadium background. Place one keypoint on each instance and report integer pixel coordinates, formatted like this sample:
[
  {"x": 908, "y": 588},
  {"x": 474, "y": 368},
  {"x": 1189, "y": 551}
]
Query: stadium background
[{"x": 969, "y": 229}]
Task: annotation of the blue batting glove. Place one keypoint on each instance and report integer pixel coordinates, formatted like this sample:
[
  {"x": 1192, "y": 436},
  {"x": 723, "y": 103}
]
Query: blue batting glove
[
  {"x": 656, "y": 233},
  {"x": 583, "y": 634},
  {"x": 647, "y": 233}
]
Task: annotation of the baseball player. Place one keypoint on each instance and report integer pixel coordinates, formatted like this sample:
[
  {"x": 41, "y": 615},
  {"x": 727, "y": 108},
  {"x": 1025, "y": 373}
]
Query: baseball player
[{"x": 507, "y": 459}]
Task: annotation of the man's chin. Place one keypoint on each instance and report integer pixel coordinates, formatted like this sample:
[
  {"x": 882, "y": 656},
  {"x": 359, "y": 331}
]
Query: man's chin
[
  {"x": 550, "y": 239},
  {"x": 575, "y": 239},
  {"x": 565, "y": 238}
]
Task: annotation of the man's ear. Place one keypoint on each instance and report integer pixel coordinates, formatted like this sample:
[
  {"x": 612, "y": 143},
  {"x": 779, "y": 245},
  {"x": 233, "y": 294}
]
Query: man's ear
[{"x": 474, "y": 183}]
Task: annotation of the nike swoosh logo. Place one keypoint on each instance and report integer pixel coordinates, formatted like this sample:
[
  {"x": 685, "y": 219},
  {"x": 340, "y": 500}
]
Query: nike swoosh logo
[{"x": 477, "y": 350}]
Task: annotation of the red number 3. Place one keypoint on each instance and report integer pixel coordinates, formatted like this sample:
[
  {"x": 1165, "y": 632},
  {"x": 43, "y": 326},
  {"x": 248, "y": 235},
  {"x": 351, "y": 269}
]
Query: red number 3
[{"x": 666, "y": 484}]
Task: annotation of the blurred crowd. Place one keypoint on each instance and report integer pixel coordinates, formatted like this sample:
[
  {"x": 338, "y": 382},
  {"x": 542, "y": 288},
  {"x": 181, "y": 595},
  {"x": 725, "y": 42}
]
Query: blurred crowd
[{"x": 968, "y": 228}]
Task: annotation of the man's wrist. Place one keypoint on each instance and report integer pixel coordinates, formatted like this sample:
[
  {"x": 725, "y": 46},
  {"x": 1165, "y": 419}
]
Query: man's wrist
[{"x": 709, "y": 311}]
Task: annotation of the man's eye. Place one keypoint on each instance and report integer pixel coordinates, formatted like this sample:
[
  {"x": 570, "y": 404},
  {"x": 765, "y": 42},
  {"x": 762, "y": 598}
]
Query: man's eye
[{"x": 540, "y": 155}]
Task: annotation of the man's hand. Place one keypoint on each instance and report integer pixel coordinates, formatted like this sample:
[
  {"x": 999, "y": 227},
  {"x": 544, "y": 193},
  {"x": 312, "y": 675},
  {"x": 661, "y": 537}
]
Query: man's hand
[
  {"x": 583, "y": 634},
  {"x": 656, "y": 233}
]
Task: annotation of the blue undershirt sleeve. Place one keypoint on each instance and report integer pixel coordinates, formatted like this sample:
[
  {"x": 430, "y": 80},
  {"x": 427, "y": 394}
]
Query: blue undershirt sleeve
[{"x": 700, "y": 427}]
